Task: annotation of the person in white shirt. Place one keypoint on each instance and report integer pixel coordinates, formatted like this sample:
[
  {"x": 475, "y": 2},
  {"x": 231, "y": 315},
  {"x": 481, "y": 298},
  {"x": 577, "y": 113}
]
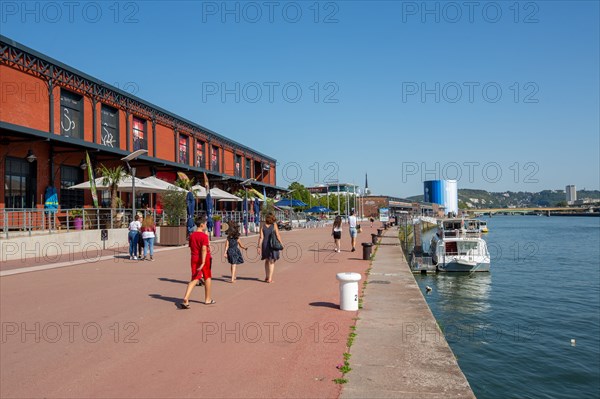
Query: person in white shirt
[
  {"x": 134, "y": 236},
  {"x": 336, "y": 232},
  {"x": 352, "y": 222}
]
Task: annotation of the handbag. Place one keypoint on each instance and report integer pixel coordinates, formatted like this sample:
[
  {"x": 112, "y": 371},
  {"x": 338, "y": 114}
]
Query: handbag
[
  {"x": 358, "y": 228},
  {"x": 274, "y": 242}
]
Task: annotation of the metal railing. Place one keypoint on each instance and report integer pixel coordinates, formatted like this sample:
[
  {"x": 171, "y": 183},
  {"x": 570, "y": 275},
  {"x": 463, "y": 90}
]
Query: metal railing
[
  {"x": 19, "y": 221},
  {"x": 29, "y": 221}
]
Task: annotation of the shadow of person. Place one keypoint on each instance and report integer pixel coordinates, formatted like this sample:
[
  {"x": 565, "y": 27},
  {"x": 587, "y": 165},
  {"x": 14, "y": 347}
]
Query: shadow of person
[
  {"x": 240, "y": 278},
  {"x": 325, "y": 305},
  {"x": 326, "y": 249},
  {"x": 170, "y": 299},
  {"x": 171, "y": 280}
]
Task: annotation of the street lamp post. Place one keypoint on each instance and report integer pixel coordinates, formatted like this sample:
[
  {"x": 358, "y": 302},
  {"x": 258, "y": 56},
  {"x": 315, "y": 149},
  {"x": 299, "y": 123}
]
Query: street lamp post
[
  {"x": 128, "y": 158},
  {"x": 338, "y": 197},
  {"x": 245, "y": 212},
  {"x": 290, "y": 193}
]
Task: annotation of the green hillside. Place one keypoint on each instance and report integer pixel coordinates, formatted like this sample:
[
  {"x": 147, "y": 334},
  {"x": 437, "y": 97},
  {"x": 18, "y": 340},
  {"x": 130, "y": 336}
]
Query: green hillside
[{"x": 470, "y": 198}]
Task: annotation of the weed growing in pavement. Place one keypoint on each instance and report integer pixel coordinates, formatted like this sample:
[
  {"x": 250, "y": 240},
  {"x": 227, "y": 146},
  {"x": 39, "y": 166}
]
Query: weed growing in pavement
[
  {"x": 345, "y": 367},
  {"x": 350, "y": 341}
]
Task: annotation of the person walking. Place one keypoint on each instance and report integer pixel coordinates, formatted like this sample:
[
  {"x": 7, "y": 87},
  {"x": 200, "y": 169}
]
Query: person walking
[
  {"x": 352, "y": 223},
  {"x": 268, "y": 254},
  {"x": 232, "y": 248},
  {"x": 371, "y": 219},
  {"x": 201, "y": 264},
  {"x": 148, "y": 231},
  {"x": 133, "y": 236},
  {"x": 336, "y": 232}
]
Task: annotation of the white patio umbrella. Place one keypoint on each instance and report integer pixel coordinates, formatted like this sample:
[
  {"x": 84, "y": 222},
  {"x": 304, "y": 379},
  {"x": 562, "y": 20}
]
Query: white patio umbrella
[
  {"x": 222, "y": 195},
  {"x": 215, "y": 193},
  {"x": 199, "y": 191},
  {"x": 155, "y": 181},
  {"x": 123, "y": 186}
]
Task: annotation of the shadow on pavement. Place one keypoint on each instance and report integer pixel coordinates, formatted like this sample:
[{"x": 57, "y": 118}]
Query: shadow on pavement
[
  {"x": 240, "y": 278},
  {"x": 325, "y": 305},
  {"x": 323, "y": 249},
  {"x": 171, "y": 280},
  {"x": 170, "y": 299}
]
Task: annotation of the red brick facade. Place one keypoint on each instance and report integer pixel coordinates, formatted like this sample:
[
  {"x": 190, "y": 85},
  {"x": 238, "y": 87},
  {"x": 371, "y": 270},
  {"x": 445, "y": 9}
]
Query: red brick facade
[{"x": 26, "y": 112}]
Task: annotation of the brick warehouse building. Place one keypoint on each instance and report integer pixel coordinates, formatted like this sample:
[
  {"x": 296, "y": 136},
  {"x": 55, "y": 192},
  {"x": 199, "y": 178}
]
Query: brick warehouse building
[{"x": 50, "y": 114}]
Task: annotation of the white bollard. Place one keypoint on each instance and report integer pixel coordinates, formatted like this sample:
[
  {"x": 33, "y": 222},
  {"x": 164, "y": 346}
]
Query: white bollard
[{"x": 348, "y": 290}]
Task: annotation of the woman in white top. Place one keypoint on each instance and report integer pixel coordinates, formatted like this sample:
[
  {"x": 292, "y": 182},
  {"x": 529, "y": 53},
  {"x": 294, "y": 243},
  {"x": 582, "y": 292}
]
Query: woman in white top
[
  {"x": 134, "y": 236},
  {"x": 352, "y": 222},
  {"x": 336, "y": 232}
]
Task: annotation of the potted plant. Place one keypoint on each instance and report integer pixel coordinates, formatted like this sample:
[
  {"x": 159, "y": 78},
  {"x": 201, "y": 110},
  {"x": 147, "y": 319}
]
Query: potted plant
[
  {"x": 77, "y": 216},
  {"x": 217, "y": 220},
  {"x": 175, "y": 209}
]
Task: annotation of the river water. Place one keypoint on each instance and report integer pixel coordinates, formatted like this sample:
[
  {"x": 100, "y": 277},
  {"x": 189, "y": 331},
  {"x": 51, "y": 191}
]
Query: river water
[{"x": 511, "y": 329}]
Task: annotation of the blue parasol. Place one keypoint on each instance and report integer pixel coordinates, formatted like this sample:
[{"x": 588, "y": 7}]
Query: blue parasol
[
  {"x": 290, "y": 203},
  {"x": 256, "y": 211},
  {"x": 191, "y": 202},
  {"x": 209, "y": 211}
]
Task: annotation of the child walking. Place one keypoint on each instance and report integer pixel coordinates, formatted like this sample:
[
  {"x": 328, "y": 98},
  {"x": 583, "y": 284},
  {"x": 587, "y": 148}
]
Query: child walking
[
  {"x": 201, "y": 263},
  {"x": 232, "y": 249}
]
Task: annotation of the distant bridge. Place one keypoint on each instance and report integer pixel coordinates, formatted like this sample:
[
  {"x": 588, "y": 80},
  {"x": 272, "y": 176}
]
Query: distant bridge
[{"x": 530, "y": 210}]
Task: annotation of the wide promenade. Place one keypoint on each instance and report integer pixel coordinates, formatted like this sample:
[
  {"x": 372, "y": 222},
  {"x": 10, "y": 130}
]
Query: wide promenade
[{"x": 110, "y": 328}]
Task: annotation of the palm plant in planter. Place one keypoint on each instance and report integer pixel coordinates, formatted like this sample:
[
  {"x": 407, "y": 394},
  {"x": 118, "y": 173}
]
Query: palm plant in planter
[
  {"x": 175, "y": 209},
  {"x": 111, "y": 178}
]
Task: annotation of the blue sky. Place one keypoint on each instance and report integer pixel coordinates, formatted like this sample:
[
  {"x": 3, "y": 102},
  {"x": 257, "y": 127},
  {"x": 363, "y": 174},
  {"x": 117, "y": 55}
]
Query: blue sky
[{"x": 502, "y": 97}]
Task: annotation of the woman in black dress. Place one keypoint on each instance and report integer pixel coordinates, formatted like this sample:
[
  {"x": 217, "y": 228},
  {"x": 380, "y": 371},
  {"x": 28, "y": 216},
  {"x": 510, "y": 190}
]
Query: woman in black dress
[
  {"x": 232, "y": 248},
  {"x": 269, "y": 255}
]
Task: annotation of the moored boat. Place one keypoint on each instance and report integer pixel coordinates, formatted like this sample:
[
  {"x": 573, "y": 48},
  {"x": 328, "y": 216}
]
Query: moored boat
[{"x": 457, "y": 246}]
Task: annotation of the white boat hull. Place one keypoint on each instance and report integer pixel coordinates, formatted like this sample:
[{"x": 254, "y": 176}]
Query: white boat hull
[{"x": 457, "y": 265}]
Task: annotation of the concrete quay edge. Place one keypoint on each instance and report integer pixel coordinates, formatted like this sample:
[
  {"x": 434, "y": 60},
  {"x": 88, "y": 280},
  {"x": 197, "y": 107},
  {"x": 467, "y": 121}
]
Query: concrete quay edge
[{"x": 399, "y": 350}]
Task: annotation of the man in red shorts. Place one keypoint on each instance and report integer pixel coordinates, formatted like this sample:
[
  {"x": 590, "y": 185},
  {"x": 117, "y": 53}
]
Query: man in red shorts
[{"x": 201, "y": 263}]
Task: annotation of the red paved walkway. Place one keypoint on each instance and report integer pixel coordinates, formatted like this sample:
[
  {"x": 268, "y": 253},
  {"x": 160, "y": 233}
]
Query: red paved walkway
[{"x": 111, "y": 329}]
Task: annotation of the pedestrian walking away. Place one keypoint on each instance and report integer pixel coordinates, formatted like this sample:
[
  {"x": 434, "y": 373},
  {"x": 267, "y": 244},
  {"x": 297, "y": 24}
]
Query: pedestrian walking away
[
  {"x": 265, "y": 245},
  {"x": 232, "y": 248},
  {"x": 352, "y": 222},
  {"x": 133, "y": 236},
  {"x": 336, "y": 232},
  {"x": 201, "y": 263},
  {"x": 148, "y": 231}
]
